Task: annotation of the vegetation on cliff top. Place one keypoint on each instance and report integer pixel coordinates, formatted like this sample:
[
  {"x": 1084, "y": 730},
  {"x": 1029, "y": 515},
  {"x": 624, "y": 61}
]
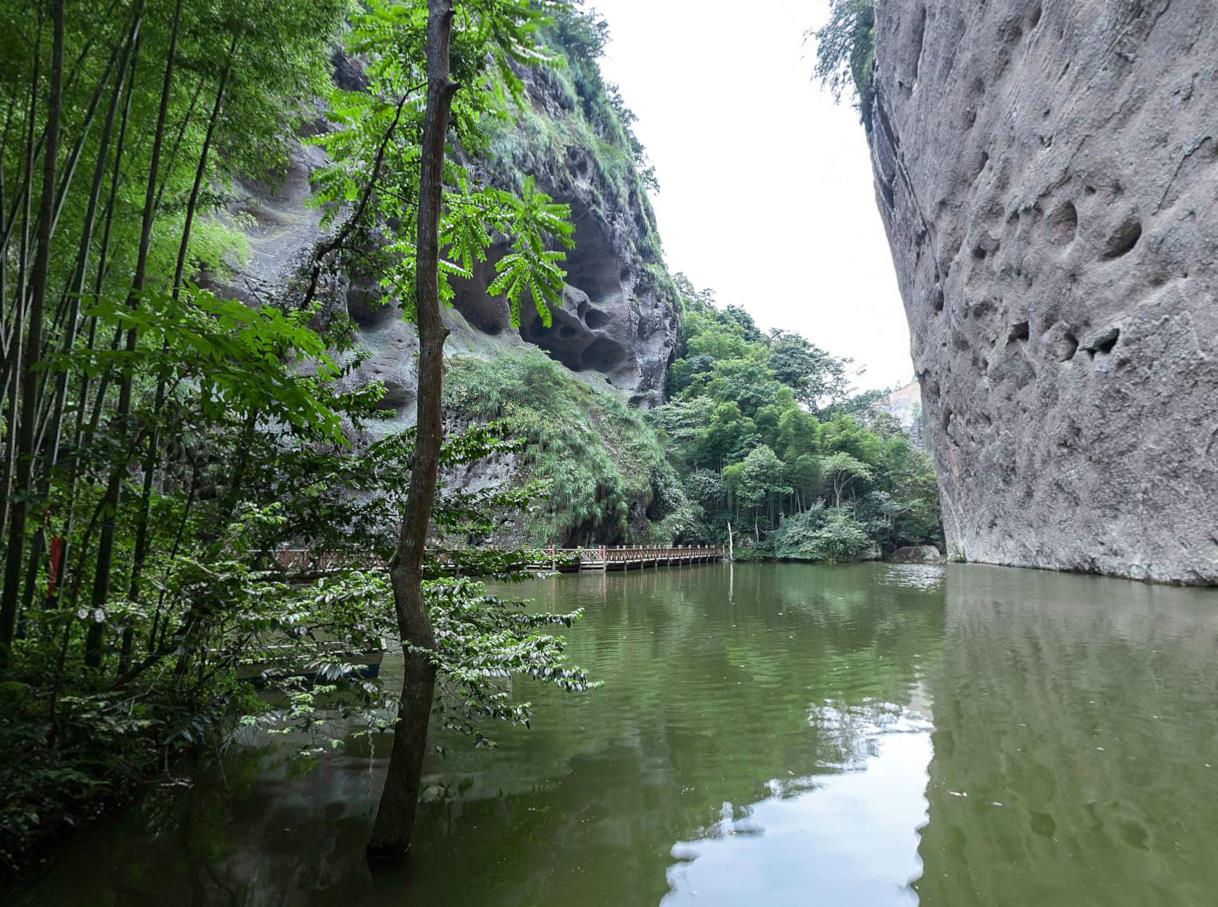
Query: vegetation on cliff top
[
  {"x": 572, "y": 119},
  {"x": 845, "y": 53},
  {"x": 607, "y": 476}
]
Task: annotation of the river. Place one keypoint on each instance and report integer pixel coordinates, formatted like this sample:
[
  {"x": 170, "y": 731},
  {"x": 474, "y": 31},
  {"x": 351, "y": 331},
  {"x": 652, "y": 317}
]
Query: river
[{"x": 765, "y": 735}]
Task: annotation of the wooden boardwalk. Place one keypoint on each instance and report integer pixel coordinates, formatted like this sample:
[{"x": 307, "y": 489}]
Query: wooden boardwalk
[
  {"x": 605, "y": 558},
  {"x": 304, "y": 564}
]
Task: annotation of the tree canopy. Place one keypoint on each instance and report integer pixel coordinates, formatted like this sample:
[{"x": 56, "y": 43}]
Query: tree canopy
[{"x": 765, "y": 433}]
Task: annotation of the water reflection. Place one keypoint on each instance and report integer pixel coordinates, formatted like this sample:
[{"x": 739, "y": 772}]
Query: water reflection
[
  {"x": 843, "y": 838},
  {"x": 1075, "y": 744},
  {"x": 774, "y": 734}
]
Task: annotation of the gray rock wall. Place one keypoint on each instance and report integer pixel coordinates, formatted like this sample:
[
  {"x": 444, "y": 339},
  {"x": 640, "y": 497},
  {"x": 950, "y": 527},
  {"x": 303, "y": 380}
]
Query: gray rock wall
[
  {"x": 1047, "y": 171},
  {"x": 619, "y": 314},
  {"x": 618, "y": 324}
]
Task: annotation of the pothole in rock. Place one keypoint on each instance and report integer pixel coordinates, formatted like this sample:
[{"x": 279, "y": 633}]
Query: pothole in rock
[
  {"x": 596, "y": 319},
  {"x": 603, "y": 355}
]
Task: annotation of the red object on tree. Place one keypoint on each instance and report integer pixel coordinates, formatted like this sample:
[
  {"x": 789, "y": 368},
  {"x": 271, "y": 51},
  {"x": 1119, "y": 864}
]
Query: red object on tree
[{"x": 56, "y": 562}]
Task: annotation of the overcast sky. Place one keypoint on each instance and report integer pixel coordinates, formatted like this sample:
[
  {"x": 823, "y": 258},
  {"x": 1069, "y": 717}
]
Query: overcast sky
[{"x": 765, "y": 185}]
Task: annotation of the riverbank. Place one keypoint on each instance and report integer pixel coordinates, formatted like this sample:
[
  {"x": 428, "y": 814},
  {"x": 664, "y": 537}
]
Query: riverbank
[{"x": 77, "y": 754}]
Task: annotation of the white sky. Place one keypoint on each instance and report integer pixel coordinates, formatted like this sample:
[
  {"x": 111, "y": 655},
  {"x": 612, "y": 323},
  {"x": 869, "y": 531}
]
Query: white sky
[{"x": 766, "y": 194}]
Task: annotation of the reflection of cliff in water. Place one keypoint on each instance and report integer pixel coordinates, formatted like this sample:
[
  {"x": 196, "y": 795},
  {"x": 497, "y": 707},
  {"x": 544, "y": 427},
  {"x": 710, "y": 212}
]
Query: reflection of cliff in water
[{"x": 1075, "y": 744}]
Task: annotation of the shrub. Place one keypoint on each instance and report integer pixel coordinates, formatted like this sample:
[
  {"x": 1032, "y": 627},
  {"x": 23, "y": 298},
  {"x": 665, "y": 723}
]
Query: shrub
[
  {"x": 832, "y": 535},
  {"x": 608, "y": 477},
  {"x": 845, "y": 52}
]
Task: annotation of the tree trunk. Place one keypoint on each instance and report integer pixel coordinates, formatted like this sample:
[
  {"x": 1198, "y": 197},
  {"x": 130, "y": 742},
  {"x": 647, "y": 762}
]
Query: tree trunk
[
  {"x": 154, "y": 437},
  {"x": 391, "y": 835},
  {"x": 103, "y": 257},
  {"x": 105, "y": 546},
  {"x": 16, "y": 330},
  {"x": 30, "y": 377},
  {"x": 50, "y": 446}
]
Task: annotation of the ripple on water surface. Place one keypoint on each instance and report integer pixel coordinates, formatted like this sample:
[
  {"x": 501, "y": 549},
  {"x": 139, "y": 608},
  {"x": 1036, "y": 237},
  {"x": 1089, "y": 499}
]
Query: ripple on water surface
[{"x": 953, "y": 736}]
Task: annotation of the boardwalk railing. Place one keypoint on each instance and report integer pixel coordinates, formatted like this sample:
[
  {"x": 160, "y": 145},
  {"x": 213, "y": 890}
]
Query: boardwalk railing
[
  {"x": 306, "y": 564},
  {"x": 622, "y": 558}
]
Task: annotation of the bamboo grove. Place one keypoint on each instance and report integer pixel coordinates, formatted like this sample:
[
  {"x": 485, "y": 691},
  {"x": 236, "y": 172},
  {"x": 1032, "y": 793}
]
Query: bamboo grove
[
  {"x": 123, "y": 125},
  {"x": 162, "y": 441}
]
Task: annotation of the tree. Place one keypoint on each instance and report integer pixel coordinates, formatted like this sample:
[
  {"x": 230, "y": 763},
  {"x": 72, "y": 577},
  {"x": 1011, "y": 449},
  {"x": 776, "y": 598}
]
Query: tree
[
  {"x": 728, "y": 436},
  {"x": 736, "y": 315},
  {"x": 817, "y": 378},
  {"x": 391, "y": 835},
  {"x": 692, "y": 298},
  {"x": 845, "y": 53},
  {"x": 804, "y": 475},
  {"x": 493, "y": 35},
  {"x": 843, "y": 471},
  {"x": 32, "y": 349},
  {"x": 761, "y": 481}
]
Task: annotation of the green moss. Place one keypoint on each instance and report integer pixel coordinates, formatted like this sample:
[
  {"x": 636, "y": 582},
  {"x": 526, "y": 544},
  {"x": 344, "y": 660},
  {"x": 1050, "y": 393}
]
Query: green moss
[{"x": 608, "y": 477}]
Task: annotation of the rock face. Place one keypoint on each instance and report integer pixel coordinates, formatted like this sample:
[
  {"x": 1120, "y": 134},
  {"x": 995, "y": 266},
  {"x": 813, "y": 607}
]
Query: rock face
[
  {"x": 619, "y": 312},
  {"x": 916, "y": 554},
  {"x": 618, "y": 323},
  {"x": 1047, "y": 171}
]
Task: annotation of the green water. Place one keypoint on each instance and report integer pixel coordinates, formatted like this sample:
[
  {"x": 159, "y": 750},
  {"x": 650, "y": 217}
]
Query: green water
[{"x": 766, "y": 735}]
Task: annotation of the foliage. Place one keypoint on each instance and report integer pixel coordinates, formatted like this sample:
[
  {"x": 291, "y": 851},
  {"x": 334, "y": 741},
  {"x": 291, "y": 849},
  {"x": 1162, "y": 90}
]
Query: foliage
[
  {"x": 770, "y": 415},
  {"x": 607, "y": 476},
  {"x": 581, "y": 35},
  {"x": 584, "y": 136},
  {"x": 182, "y": 439},
  {"x": 815, "y": 376},
  {"x": 845, "y": 53},
  {"x": 832, "y": 535},
  {"x": 374, "y": 146}
]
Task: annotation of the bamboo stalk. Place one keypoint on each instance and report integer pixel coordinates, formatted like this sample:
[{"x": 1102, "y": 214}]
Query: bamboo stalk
[
  {"x": 33, "y": 343},
  {"x": 105, "y": 546}
]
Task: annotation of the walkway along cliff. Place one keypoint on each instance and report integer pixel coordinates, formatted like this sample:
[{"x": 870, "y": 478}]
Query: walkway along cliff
[{"x": 1047, "y": 174}]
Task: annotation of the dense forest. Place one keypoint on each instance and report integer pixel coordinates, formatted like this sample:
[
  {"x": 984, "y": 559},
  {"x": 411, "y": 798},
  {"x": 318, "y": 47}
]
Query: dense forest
[
  {"x": 164, "y": 441},
  {"x": 765, "y": 433}
]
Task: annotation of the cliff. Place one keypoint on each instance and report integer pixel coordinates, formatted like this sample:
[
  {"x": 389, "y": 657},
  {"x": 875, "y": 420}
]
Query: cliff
[
  {"x": 1046, "y": 171},
  {"x": 612, "y": 339}
]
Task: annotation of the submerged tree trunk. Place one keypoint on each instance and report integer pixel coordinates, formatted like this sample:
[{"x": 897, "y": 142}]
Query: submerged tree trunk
[{"x": 391, "y": 835}]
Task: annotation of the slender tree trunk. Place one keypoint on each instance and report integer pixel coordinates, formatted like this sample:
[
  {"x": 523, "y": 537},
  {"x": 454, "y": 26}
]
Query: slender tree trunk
[
  {"x": 103, "y": 256},
  {"x": 30, "y": 377},
  {"x": 8, "y": 120},
  {"x": 105, "y": 544},
  {"x": 17, "y": 326},
  {"x": 78, "y": 147},
  {"x": 154, "y": 438},
  {"x": 391, "y": 835},
  {"x": 50, "y": 445}
]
